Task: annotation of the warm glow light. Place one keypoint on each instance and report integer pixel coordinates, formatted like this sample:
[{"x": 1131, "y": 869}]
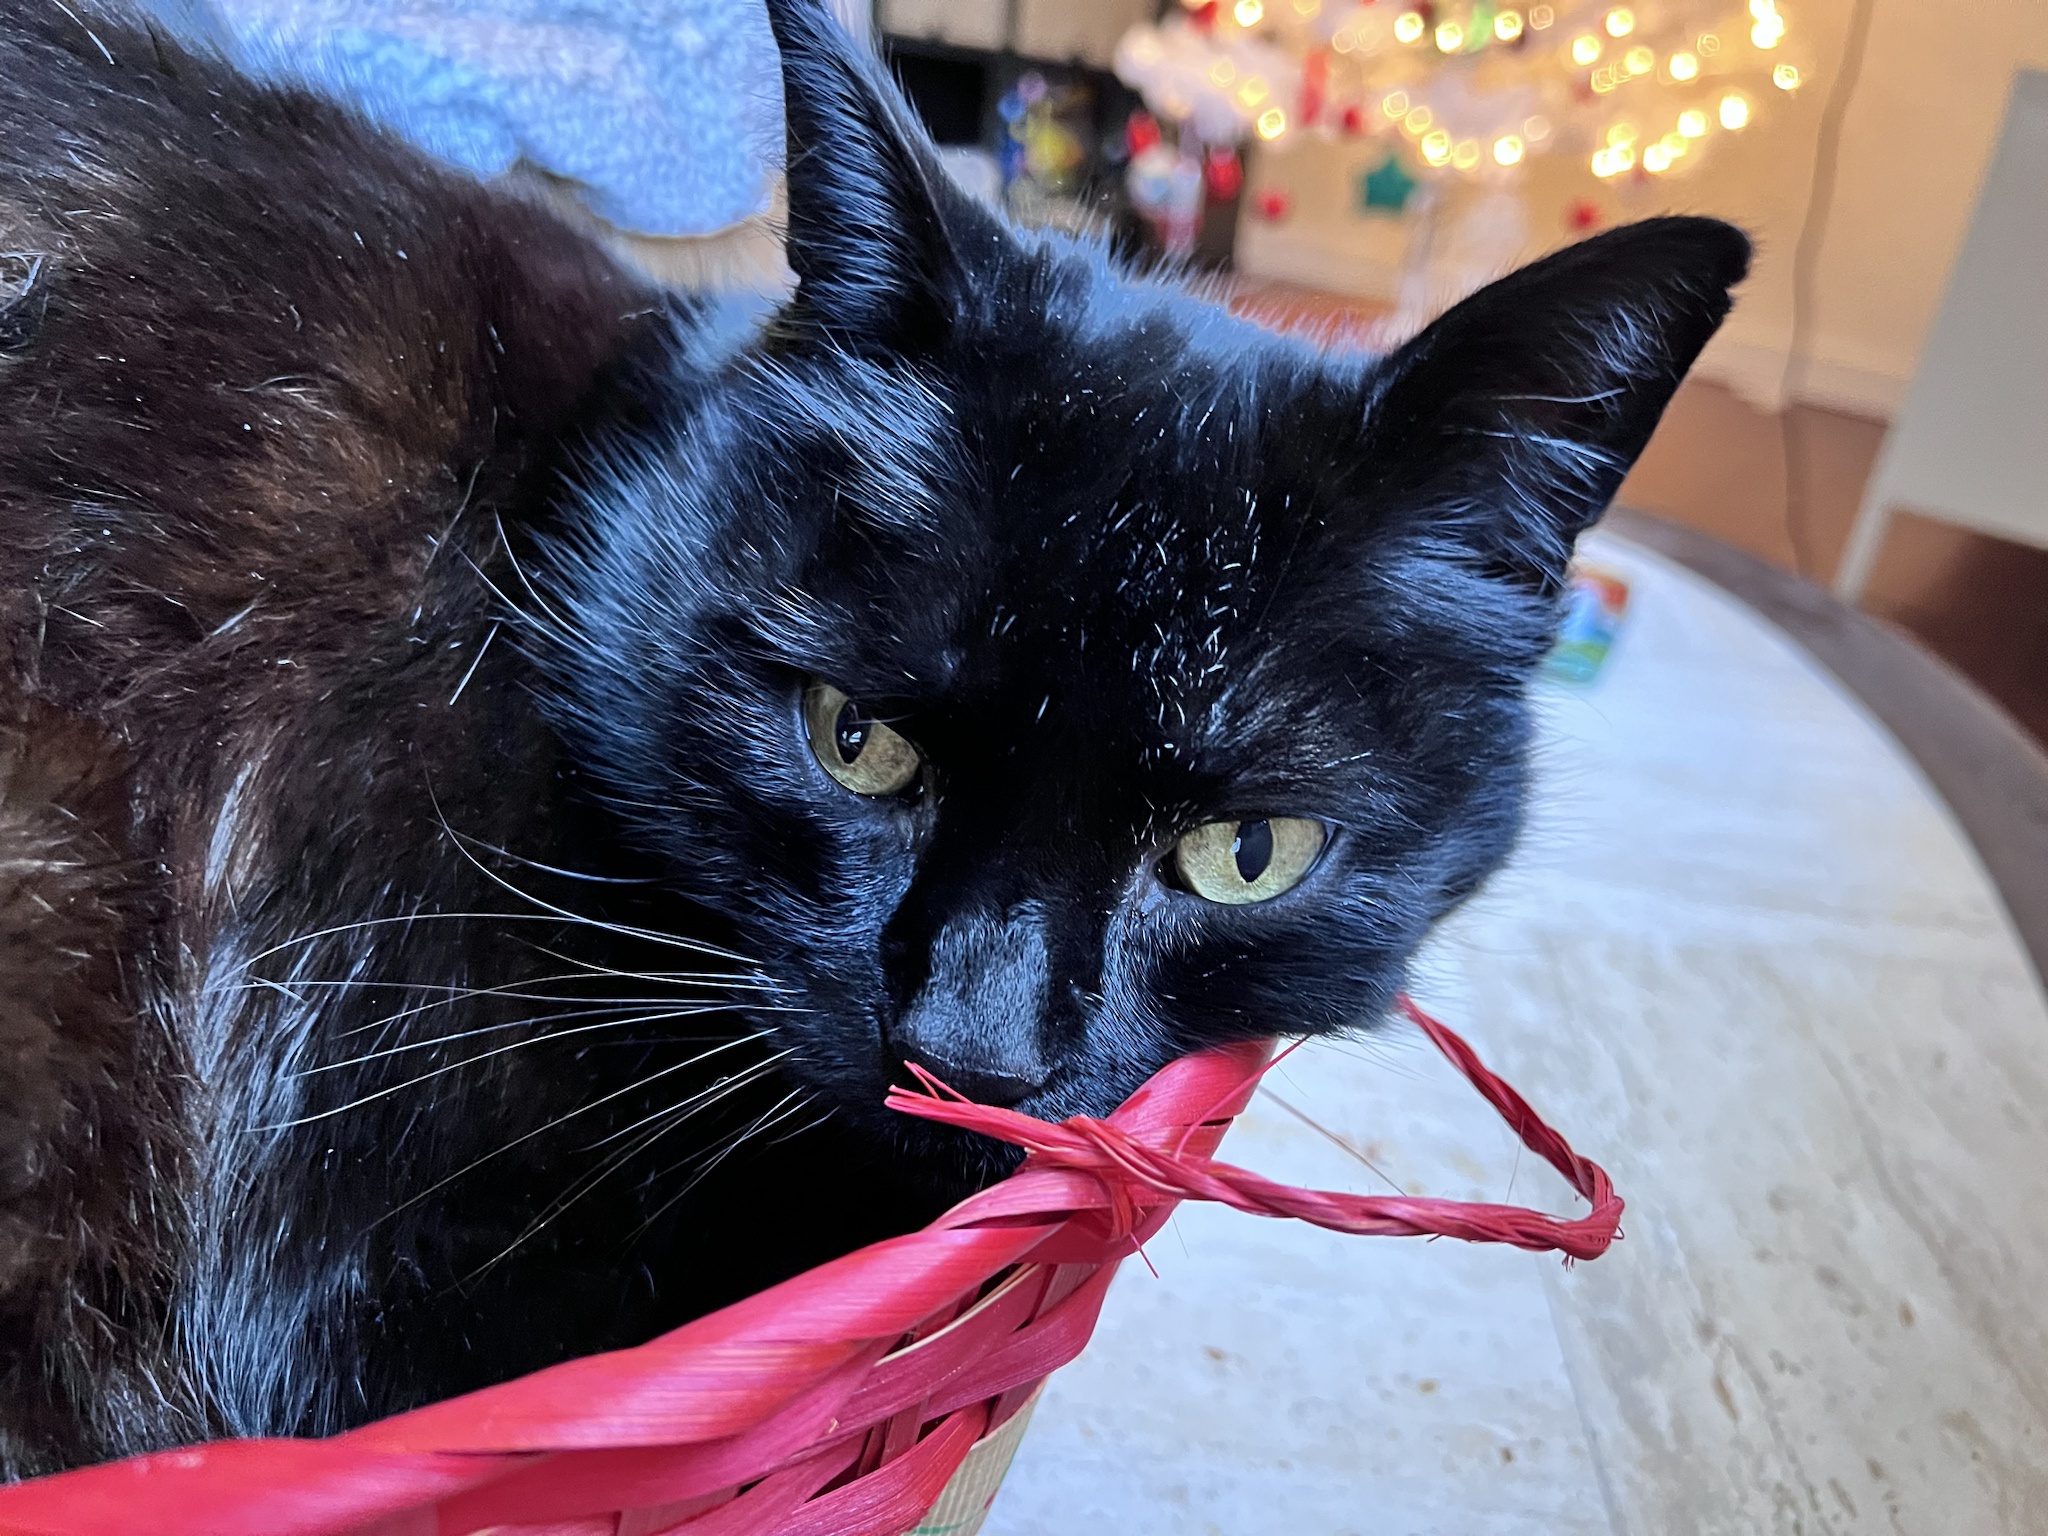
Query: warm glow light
[
  {"x": 1620, "y": 22},
  {"x": 1507, "y": 26},
  {"x": 1436, "y": 147},
  {"x": 1640, "y": 61},
  {"x": 1613, "y": 160},
  {"x": 1541, "y": 16},
  {"x": 1507, "y": 150},
  {"x": 1656, "y": 159},
  {"x": 1466, "y": 155},
  {"x": 1785, "y": 77},
  {"x": 1450, "y": 37},
  {"x": 1622, "y": 133},
  {"x": 1250, "y": 13},
  {"x": 1253, "y": 91},
  {"x": 1685, "y": 66},
  {"x": 1418, "y": 120},
  {"x": 1408, "y": 26},
  {"x": 1223, "y": 72},
  {"x": 1307, "y": 7},
  {"x": 1272, "y": 123},
  {"x": 1396, "y": 104},
  {"x": 1768, "y": 33},
  {"x": 1692, "y": 123},
  {"x": 1536, "y": 129},
  {"x": 1603, "y": 79},
  {"x": 1762, "y": 8},
  {"x": 1585, "y": 48},
  {"x": 1709, "y": 44},
  {"x": 1734, "y": 110}
]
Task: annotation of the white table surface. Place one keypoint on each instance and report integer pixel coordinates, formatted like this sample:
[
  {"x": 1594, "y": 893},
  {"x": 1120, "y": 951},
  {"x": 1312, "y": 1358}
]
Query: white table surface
[{"x": 1745, "y": 959}]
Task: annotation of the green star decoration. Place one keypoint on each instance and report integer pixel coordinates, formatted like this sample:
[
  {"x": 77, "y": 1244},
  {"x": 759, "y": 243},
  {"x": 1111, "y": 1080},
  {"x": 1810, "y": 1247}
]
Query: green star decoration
[{"x": 1387, "y": 189}]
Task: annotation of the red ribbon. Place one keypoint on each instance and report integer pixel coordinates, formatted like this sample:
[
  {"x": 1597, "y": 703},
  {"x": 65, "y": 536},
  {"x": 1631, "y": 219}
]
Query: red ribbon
[{"x": 835, "y": 1404}]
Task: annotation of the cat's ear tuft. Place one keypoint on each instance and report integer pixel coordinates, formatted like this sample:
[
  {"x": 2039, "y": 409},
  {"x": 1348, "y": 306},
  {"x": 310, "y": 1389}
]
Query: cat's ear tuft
[
  {"x": 1510, "y": 421},
  {"x": 879, "y": 237}
]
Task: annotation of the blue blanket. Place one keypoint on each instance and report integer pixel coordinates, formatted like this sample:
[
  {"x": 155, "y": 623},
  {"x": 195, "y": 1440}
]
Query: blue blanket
[{"x": 665, "y": 113}]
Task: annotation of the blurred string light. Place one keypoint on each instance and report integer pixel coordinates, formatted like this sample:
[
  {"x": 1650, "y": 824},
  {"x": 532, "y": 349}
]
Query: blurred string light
[{"x": 1477, "y": 87}]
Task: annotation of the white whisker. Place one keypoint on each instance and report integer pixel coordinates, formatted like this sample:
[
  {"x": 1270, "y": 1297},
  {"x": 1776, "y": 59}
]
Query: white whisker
[
  {"x": 558, "y": 915},
  {"x": 630, "y": 1016},
  {"x": 442, "y": 1071},
  {"x": 767, "y": 1120},
  {"x": 677, "y": 1116},
  {"x": 567, "y": 874},
  {"x": 565, "y": 1117}
]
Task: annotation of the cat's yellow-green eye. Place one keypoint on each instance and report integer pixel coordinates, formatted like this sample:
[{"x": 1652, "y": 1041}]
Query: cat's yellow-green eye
[
  {"x": 855, "y": 748},
  {"x": 1241, "y": 862}
]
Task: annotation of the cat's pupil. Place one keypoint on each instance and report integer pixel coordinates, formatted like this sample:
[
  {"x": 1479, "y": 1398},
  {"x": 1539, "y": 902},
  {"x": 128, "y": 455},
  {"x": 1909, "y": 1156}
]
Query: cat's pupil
[
  {"x": 850, "y": 731},
  {"x": 1253, "y": 849}
]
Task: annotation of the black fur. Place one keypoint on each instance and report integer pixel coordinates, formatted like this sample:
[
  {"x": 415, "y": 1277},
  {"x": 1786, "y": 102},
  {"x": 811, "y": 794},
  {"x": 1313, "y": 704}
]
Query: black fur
[{"x": 406, "y": 619}]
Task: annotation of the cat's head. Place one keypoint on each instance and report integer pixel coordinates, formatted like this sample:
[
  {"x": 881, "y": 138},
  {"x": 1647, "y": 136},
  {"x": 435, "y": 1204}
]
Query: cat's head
[{"x": 1045, "y": 673}]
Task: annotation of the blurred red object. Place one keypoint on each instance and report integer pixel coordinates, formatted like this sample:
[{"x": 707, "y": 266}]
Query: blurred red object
[
  {"x": 1273, "y": 205},
  {"x": 838, "y": 1403},
  {"x": 1222, "y": 173},
  {"x": 1353, "y": 118},
  {"x": 1582, "y": 214},
  {"x": 1141, "y": 132},
  {"x": 1315, "y": 81}
]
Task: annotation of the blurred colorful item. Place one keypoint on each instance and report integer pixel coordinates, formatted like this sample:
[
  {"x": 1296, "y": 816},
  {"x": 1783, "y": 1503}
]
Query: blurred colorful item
[
  {"x": 1166, "y": 185},
  {"x": 1594, "y": 608},
  {"x": 1045, "y": 148},
  {"x": 1387, "y": 188},
  {"x": 1476, "y": 87},
  {"x": 1274, "y": 205}
]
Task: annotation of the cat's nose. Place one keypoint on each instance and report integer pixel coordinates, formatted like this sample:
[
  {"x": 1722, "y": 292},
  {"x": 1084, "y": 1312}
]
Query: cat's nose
[
  {"x": 1001, "y": 1086},
  {"x": 976, "y": 1023}
]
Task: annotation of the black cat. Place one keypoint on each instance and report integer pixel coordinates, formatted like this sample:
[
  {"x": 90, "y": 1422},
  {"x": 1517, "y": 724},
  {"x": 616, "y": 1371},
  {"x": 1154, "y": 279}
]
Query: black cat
[{"x": 499, "y": 768}]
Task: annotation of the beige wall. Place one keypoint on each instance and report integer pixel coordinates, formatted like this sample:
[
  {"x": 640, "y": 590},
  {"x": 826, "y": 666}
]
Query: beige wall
[{"x": 1916, "y": 138}]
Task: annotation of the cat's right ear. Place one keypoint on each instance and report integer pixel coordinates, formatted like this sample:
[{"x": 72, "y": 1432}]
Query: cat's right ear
[
  {"x": 1509, "y": 422},
  {"x": 879, "y": 237}
]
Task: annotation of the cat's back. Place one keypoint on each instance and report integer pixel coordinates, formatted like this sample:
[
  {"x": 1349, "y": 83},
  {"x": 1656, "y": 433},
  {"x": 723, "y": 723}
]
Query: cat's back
[{"x": 250, "y": 349}]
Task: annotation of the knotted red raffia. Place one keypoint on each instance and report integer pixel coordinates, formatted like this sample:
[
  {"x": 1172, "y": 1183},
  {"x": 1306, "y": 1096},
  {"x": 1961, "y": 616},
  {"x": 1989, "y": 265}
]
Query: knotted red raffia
[{"x": 836, "y": 1404}]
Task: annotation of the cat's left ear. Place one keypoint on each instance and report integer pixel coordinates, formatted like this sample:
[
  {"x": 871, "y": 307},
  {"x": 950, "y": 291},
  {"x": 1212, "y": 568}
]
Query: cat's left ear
[
  {"x": 880, "y": 238},
  {"x": 1508, "y": 424}
]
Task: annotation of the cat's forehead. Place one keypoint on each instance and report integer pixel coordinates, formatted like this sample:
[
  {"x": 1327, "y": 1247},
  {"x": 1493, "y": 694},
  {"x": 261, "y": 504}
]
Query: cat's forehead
[{"x": 1106, "y": 515}]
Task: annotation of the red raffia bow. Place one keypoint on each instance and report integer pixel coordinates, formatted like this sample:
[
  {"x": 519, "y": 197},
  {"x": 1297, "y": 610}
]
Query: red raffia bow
[{"x": 838, "y": 1403}]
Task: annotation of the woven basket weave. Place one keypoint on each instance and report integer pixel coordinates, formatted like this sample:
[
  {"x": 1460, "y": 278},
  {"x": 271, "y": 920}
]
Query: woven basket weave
[{"x": 872, "y": 1396}]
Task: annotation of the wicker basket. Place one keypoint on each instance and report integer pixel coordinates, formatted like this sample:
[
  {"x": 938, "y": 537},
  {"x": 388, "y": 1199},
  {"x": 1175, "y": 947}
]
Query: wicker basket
[{"x": 879, "y": 1394}]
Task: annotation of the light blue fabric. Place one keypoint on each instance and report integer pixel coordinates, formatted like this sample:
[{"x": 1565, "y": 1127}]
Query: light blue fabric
[{"x": 667, "y": 112}]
